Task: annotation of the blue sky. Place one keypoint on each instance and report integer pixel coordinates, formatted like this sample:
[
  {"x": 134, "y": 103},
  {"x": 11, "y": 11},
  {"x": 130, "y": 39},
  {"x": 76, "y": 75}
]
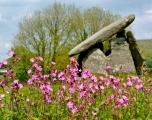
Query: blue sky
[{"x": 12, "y": 11}]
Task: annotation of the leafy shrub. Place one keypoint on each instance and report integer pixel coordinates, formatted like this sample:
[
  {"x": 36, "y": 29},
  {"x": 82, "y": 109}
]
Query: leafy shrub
[{"x": 21, "y": 74}]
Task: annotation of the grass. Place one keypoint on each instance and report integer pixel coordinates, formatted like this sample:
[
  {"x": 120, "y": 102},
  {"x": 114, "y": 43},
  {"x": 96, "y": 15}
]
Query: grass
[
  {"x": 26, "y": 89},
  {"x": 122, "y": 97},
  {"x": 103, "y": 110}
]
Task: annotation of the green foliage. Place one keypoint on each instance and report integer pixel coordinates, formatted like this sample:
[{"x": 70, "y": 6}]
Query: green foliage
[
  {"x": 1, "y": 73},
  {"x": 21, "y": 74},
  {"x": 52, "y": 32},
  {"x": 62, "y": 59},
  {"x": 22, "y": 66},
  {"x": 106, "y": 44},
  {"x": 149, "y": 63}
]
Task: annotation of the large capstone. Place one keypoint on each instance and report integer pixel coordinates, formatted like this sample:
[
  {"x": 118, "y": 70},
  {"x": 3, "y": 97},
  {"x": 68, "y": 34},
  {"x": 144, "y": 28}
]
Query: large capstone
[
  {"x": 103, "y": 34},
  {"x": 138, "y": 58},
  {"x": 96, "y": 61},
  {"x": 120, "y": 57}
]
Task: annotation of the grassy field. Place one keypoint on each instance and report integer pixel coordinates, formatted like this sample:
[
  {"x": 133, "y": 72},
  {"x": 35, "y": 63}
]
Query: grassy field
[
  {"x": 92, "y": 97},
  {"x": 145, "y": 47}
]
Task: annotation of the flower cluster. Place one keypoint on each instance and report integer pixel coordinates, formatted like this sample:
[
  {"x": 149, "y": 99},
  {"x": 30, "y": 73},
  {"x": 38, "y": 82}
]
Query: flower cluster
[
  {"x": 16, "y": 85},
  {"x": 66, "y": 94}
]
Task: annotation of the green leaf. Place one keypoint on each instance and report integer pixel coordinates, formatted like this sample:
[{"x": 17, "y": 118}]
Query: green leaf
[{"x": 34, "y": 118}]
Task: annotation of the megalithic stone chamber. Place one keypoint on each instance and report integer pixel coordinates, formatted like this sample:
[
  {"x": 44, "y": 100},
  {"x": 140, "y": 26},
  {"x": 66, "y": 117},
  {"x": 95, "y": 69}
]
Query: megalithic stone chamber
[{"x": 103, "y": 34}]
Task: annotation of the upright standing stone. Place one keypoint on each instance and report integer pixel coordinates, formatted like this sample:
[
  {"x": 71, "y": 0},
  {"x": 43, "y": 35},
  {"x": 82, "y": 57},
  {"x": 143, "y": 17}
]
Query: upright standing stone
[
  {"x": 103, "y": 34},
  {"x": 138, "y": 58},
  {"x": 96, "y": 61},
  {"x": 120, "y": 57}
]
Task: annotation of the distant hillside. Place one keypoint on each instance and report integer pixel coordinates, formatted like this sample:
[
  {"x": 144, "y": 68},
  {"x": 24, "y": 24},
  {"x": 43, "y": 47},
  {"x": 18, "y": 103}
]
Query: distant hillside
[{"x": 145, "y": 47}]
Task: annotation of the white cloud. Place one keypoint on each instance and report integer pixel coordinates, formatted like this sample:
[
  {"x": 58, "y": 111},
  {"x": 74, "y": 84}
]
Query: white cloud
[
  {"x": 142, "y": 26},
  {"x": 4, "y": 47},
  {"x": 149, "y": 11},
  {"x": 7, "y": 45},
  {"x": 2, "y": 19},
  {"x": 16, "y": 18}
]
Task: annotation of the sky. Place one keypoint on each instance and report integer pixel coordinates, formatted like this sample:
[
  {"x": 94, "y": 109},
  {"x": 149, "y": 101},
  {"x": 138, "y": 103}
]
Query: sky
[{"x": 12, "y": 12}]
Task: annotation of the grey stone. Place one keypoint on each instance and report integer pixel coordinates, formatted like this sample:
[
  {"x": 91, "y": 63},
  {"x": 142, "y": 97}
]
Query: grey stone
[
  {"x": 103, "y": 34},
  {"x": 96, "y": 61},
  {"x": 138, "y": 58},
  {"x": 120, "y": 58}
]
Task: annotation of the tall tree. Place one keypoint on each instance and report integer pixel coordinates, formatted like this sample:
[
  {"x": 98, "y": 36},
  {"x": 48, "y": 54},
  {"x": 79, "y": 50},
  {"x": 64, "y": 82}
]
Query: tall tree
[
  {"x": 88, "y": 21},
  {"x": 57, "y": 28}
]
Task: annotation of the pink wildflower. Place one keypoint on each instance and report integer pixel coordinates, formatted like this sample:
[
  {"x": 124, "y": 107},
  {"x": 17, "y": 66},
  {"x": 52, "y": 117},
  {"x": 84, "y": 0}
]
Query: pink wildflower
[
  {"x": 74, "y": 109},
  {"x": 108, "y": 67},
  {"x": 114, "y": 86},
  {"x": 2, "y": 105},
  {"x": 124, "y": 85},
  {"x": 11, "y": 53},
  {"x": 81, "y": 86},
  {"x": 34, "y": 76},
  {"x": 133, "y": 99},
  {"x": 81, "y": 106},
  {"x": 32, "y": 60},
  {"x": 106, "y": 81},
  {"x": 125, "y": 99},
  {"x": 94, "y": 113},
  {"x": 30, "y": 81},
  {"x": 29, "y": 71},
  {"x": 27, "y": 100},
  {"x": 48, "y": 99},
  {"x": 102, "y": 87},
  {"x": 139, "y": 86},
  {"x": 116, "y": 81},
  {"x": 64, "y": 87},
  {"x": 1, "y": 96},
  {"x": 53, "y": 74},
  {"x": 16, "y": 85},
  {"x": 112, "y": 96},
  {"x": 60, "y": 74},
  {"x": 15, "y": 81},
  {"x": 101, "y": 78},
  {"x": 71, "y": 90},
  {"x": 53, "y": 63},
  {"x": 70, "y": 105},
  {"x": 120, "y": 91},
  {"x": 84, "y": 75},
  {"x": 129, "y": 83},
  {"x": 96, "y": 86},
  {"x": 121, "y": 101},
  {"x": 20, "y": 85},
  {"x": 4, "y": 62},
  {"x": 91, "y": 85},
  {"x": 82, "y": 94},
  {"x": 45, "y": 76},
  {"x": 139, "y": 80},
  {"x": 40, "y": 58},
  {"x": 90, "y": 102},
  {"x": 39, "y": 68},
  {"x": 72, "y": 60},
  {"x": 94, "y": 78}
]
